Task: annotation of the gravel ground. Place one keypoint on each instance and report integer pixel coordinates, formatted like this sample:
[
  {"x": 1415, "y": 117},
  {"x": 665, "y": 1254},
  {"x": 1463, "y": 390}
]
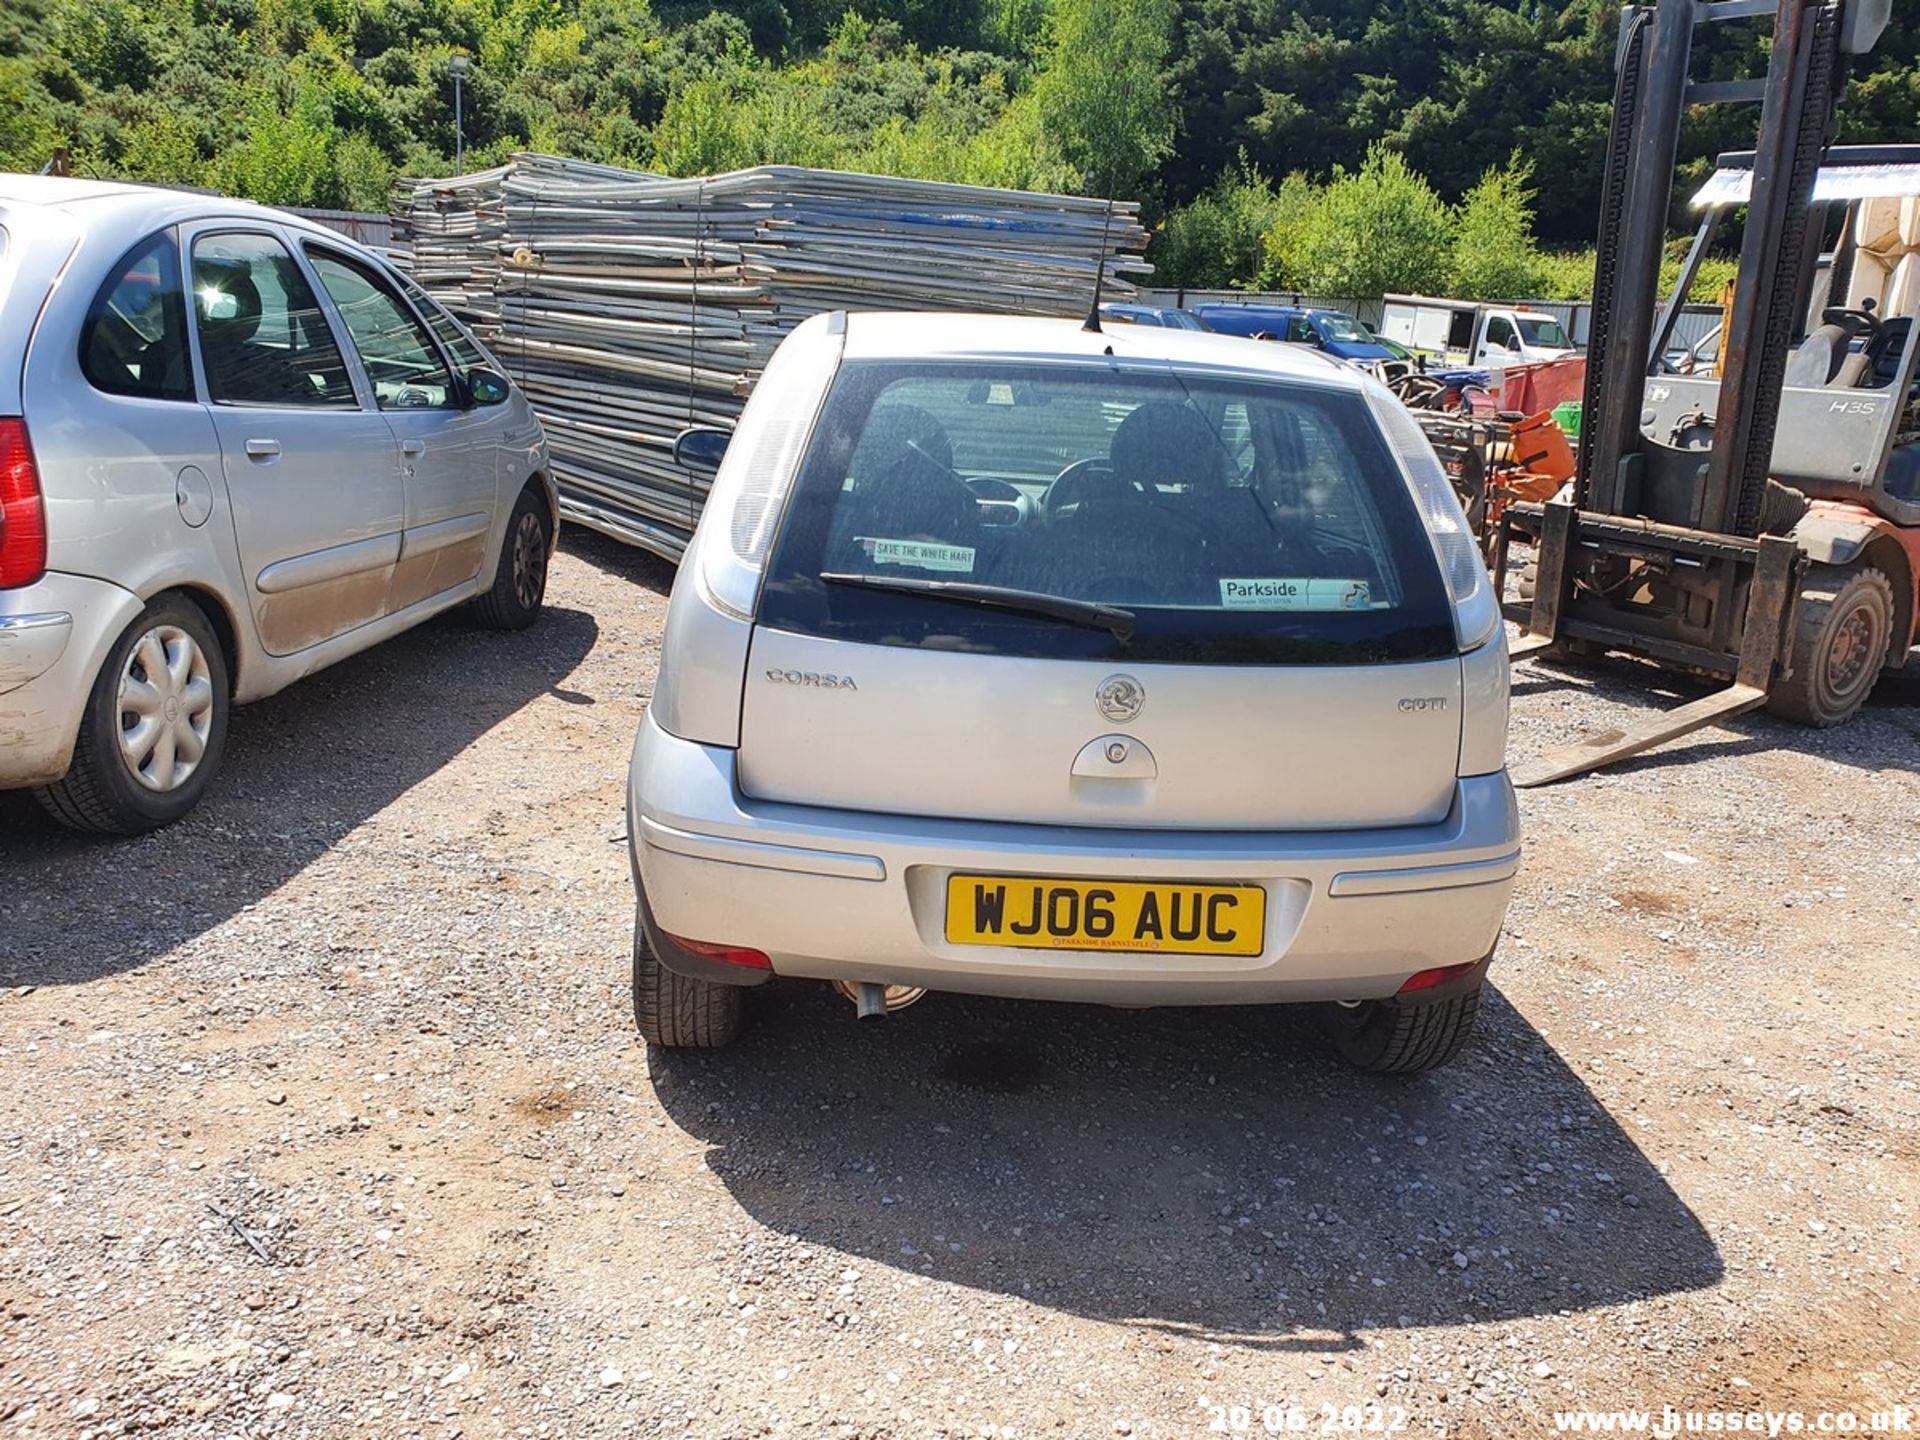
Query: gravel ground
[{"x": 327, "y": 1116}]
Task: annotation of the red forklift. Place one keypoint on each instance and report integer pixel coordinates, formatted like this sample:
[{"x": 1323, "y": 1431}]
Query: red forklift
[{"x": 1760, "y": 525}]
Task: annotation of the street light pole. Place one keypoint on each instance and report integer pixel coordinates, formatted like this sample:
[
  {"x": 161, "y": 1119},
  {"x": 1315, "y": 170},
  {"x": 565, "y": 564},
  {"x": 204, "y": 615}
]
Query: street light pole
[{"x": 458, "y": 67}]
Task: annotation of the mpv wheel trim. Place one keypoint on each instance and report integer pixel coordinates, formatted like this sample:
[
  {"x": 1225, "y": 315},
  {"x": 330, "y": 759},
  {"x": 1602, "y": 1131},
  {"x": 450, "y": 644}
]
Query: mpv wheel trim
[
  {"x": 165, "y": 706},
  {"x": 529, "y": 561}
]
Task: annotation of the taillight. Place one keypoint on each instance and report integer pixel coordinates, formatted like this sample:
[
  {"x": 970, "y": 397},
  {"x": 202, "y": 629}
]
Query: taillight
[
  {"x": 725, "y": 954},
  {"x": 750, "y": 490},
  {"x": 1440, "y": 975},
  {"x": 23, "y": 512}
]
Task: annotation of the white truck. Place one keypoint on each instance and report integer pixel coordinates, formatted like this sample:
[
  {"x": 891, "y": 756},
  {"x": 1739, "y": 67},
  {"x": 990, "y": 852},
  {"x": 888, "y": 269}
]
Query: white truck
[{"x": 1467, "y": 332}]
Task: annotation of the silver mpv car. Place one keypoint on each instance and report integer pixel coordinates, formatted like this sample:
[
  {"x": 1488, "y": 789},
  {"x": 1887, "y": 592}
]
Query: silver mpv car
[
  {"x": 1144, "y": 668},
  {"x": 234, "y": 448}
]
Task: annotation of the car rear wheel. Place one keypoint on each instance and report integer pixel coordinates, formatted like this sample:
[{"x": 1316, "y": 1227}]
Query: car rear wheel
[
  {"x": 519, "y": 586},
  {"x": 154, "y": 726},
  {"x": 676, "y": 1011},
  {"x": 1397, "y": 1037}
]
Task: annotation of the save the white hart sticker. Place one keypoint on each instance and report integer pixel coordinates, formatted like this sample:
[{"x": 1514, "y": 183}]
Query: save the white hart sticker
[
  {"x": 920, "y": 554},
  {"x": 1280, "y": 593}
]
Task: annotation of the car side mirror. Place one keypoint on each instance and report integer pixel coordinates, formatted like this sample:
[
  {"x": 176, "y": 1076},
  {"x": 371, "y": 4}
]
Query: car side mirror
[
  {"x": 487, "y": 387},
  {"x": 700, "y": 448}
]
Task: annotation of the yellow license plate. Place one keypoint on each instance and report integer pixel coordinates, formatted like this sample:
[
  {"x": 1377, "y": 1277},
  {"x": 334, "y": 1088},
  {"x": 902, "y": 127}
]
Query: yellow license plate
[{"x": 1160, "y": 916}]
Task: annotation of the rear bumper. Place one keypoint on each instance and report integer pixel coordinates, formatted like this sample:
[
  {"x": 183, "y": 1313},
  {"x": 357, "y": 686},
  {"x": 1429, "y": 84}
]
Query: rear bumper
[
  {"x": 53, "y": 635},
  {"x": 843, "y": 895}
]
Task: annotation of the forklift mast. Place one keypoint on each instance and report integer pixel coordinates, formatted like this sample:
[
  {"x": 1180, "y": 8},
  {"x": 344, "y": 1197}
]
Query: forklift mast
[{"x": 1622, "y": 471}]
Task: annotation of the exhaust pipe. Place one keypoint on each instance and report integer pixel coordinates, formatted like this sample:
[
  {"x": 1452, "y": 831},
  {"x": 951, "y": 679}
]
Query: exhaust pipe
[{"x": 876, "y": 1002}]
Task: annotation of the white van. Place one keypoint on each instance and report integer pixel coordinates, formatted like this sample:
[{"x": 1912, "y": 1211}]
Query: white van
[{"x": 1491, "y": 336}]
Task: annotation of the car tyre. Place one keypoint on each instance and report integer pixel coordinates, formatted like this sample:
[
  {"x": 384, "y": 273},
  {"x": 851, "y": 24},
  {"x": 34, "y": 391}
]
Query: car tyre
[
  {"x": 110, "y": 789},
  {"x": 519, "y": 586},
  {"x": 675, "y": 1011},
  {"x": 1396, "y": 1037},
  {"x": 1842, "y": 630}
]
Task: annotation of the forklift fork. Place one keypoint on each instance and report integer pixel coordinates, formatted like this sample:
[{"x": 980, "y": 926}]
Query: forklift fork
[{"x": 1769, "y": 604}]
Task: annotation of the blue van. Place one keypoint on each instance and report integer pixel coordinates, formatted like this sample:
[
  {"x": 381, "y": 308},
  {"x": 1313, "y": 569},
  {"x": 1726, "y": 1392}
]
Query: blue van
[{"x": 1333, "y": 331}]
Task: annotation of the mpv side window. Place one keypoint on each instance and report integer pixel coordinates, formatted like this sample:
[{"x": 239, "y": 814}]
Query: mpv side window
[
  {"x": 134, "y": 341},
  {"x": 263, "y": 337},
  {"x": 401, "y": 361}
]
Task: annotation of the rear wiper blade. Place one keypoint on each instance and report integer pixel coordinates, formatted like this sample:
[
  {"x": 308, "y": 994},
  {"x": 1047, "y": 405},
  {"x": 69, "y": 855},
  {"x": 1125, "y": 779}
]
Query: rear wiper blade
[{"x": 1088, "y": 614}]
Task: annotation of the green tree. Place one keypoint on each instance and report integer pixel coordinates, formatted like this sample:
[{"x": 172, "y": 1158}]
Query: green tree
[
  {"x": 1220, "y": 240},
  {"x": 1375, "y": 230},
  {"x": 164, "y": 149},
  {"x": 28, "y": 131},
  {"x": 1296, "y": 203},
  {"x": 1103, "y": 94},
  {"x": 1493, "y": 251},
  {"x": 285, "y": 157},
  {"x": 702, "y": 132}
]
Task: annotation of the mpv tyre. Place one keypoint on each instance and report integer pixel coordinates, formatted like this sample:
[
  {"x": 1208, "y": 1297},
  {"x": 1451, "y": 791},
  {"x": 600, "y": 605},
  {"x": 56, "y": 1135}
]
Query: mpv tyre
[
  {"x": 1392, "y": 1037},
  {"x": 520, "y": 580},
  {"x": 154, "y": 727},
  {"x": 676, "y": 1011}
]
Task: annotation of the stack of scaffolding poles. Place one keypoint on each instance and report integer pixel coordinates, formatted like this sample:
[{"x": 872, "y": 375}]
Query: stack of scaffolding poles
[{"x": 629, "y": 306}]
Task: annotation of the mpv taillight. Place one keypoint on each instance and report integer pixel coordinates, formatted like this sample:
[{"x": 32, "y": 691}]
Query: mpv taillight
[{"x": 23, "y": 511}]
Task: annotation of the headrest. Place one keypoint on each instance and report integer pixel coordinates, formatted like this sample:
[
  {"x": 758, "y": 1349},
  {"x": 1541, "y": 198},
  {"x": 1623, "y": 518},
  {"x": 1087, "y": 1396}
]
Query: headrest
[
  {"x": 1166, "y": 443},
  {"x": 227, "y": 300},
  {"x": 891, "y": 429}
]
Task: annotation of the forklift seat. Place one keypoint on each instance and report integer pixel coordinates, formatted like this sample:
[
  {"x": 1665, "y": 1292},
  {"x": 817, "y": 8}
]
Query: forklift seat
[
  {"x": 1815, "y": 361},
  {"x": 1824, "y": 361}
]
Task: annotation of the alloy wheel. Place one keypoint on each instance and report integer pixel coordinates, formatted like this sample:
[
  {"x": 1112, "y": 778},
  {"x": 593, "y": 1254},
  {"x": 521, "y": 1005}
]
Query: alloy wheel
[{"x": 529, "y": 561}]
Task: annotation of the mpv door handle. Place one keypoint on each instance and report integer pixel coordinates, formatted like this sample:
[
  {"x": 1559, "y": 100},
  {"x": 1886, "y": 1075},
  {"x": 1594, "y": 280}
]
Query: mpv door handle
[
  {"x": 262, "y": 449},
  {"x": 413, "y": 447}
]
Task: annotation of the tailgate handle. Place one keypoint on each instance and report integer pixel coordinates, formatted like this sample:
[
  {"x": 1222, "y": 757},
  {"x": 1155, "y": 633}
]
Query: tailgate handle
[{"x": 1115, "y": 757}]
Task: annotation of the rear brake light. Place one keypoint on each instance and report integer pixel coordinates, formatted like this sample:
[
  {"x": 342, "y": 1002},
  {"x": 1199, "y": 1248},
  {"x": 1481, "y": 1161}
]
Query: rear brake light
[
  {"x": 1429, "y": 979},
  {"x": 750, "y": 491},
  {"x": 725, "y": 954},
  {"x": 23, "y": 511}
]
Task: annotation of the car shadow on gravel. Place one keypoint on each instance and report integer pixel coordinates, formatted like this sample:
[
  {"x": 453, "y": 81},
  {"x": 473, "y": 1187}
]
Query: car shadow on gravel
[
  {"x": 618, "y": 559},
  {"x": 302, "y": 769},
  {"x": 1208, "y": 1173}
]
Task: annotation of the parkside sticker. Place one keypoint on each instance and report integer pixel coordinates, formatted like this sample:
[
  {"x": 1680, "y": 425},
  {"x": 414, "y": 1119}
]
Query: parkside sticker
[
  {"x": 1279, "y": 593},
  {"x": 919, "y": 554}
]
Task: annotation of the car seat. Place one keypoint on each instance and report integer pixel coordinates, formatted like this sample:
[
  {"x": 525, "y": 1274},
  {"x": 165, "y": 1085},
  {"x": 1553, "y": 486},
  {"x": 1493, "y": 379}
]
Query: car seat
[
  {"x": 903, "y": 486},
  {"x": 1165, "y": 443},
  {"x": 239, "y": 367}
]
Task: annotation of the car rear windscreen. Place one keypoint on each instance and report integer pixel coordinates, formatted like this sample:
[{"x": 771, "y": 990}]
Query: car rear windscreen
[{"x": 1234, "y": 520}]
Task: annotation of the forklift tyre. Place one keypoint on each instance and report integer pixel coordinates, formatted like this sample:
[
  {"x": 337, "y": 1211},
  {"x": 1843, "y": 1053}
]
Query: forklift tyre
[{"x": 1842, "y": 626}]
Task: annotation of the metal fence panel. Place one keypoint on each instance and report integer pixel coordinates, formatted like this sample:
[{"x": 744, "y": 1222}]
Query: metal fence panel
[{"x": 630, "y": 305}]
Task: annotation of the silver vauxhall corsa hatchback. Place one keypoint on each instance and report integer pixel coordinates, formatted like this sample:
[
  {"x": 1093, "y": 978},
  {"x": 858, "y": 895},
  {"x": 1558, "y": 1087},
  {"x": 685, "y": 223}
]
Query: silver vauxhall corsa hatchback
[
  {"x": 1144, "y": 668},
  {"x": 234, "y": 448}
]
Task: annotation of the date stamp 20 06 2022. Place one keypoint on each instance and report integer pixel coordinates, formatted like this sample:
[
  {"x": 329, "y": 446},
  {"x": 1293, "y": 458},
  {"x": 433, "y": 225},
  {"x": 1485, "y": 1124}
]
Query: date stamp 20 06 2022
[{"x": 1303, "y": 1419}]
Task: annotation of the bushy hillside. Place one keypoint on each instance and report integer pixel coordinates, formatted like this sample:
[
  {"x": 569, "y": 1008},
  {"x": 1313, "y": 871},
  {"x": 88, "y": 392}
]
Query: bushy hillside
[{"x": 321, "y": 102}]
